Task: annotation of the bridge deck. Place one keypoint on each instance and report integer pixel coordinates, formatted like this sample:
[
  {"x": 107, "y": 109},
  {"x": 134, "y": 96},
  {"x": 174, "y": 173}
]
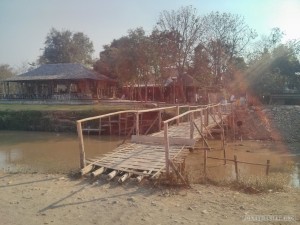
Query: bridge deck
[{"x": 148, "y": 159}]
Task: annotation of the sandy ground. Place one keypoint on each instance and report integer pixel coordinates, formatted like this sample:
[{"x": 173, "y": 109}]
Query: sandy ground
[{"x": 33, "y": 199}]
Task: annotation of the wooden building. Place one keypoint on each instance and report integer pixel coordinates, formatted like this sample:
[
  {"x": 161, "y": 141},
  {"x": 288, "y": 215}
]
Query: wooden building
[
  {"x": 175, "y": 89},
  {"x": 64, "y": 81}
]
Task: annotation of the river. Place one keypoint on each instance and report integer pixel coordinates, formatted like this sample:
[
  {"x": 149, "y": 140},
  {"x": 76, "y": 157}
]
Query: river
[{"x": 46, "y": 152}]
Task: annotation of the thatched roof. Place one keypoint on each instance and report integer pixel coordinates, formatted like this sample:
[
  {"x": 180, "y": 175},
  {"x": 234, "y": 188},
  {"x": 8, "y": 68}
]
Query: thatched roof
[{"x": 61, "y": 71}]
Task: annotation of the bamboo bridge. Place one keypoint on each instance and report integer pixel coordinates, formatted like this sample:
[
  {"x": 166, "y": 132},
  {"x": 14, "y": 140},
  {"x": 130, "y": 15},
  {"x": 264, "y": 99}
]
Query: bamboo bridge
[{"x": 159, "y": 153}]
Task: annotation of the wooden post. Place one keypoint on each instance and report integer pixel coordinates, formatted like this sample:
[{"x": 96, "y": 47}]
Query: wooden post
[
  {"x": 236, "y": 168},
  {"x": 159, "y": 120},
  {"x": 224, "y": 149},
  {"x": 191, "y": 125},
  {"x": 100, "y": 127},
  {"x": 137, "y": 125},
  {"x": 268, "y": 167},
  {"x": 109, "y": 121},
  {"x": 166, "y": 140},
  {"x": 233, "y": 126},
  {"x": 81, "y": 146},
  {"x": 205, "y": 163},
  {"x": 112, "y": 174},
  {"x": 201, "y": 121},
  {"x": 119, "y": 124},
  {"x": 177, "y": 113},
  {"x": 126, "y": 118},
  {"x": 97, "y": 172},
  {"x": 206, "y": 117}
]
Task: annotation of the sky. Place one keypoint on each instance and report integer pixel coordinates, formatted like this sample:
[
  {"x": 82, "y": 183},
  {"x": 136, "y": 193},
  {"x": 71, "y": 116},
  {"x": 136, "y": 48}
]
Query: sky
[{"x": 24, "y": 24}]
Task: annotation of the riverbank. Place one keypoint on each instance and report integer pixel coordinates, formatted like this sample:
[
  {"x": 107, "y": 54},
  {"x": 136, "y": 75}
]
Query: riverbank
[
  {"x": 36, "y": 198},
  {"x": 52, "y": 118},
  {"x": 55, "y": 199}
]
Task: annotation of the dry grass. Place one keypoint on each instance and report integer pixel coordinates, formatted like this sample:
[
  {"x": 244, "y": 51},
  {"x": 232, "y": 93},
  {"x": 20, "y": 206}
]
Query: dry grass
[{"x": 277, "y": 180}]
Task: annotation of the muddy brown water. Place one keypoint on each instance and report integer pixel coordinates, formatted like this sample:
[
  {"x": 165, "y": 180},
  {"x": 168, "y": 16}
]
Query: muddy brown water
[
  {"x": 282, "y": 159},
  {"x": 46, "y": 152}
]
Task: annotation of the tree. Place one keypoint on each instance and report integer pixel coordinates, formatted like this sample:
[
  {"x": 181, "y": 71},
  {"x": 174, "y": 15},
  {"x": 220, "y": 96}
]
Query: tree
[
  {"x": 6, "y": 71},
  {"x": 226, "y": 37},
  {"x": 273, "y": 66},
  {"x": 162, "y": 60},
  {"x": 67, "y": 47},
  {"x": 127, "y": 59},
  {"x": 186, "y": 28}
]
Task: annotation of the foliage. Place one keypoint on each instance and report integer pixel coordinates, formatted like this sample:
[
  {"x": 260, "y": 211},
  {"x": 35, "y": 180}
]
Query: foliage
[
  {"x": 273, "y": 66},
  {"x": 224, "y": 40},
  {"x": 187, "y": 29},
  {"x": 67, "y": 47},
  {"x": 6, "y": 71}
]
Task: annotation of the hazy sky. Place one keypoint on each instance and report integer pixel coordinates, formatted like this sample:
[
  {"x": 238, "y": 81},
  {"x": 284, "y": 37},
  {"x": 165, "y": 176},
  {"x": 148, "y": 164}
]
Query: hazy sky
[{"x": 24, "y": 24}]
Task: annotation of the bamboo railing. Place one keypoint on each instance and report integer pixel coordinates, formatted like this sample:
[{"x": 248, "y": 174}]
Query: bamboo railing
[
  {"x": 137, "y": 119},
  {"x": 213, "y": 111}
]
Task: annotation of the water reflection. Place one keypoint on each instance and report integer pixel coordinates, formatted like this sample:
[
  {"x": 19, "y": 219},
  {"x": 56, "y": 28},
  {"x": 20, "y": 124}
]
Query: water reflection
[{"x": 48, "y": 152}]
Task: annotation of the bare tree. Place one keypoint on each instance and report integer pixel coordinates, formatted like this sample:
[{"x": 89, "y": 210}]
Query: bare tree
[
  {"x": 226, "y": 36},
  {"x": 187, "y": 29}
]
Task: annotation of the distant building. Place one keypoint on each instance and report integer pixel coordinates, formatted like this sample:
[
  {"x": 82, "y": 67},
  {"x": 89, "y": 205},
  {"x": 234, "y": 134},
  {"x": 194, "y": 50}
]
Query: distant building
[{"x": 64, "y": 81}]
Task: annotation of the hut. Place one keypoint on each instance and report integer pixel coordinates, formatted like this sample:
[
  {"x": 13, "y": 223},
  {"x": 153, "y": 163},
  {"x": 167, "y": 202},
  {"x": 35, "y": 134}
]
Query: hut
[{"x": 64, "y": 81}]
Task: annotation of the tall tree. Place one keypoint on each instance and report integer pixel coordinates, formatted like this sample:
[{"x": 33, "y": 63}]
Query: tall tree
[
  {"x": 226, "y": 37},
  {"x": 6, "y": 71},
  {"x": 67, "y": 47},
  {"x": 186, "y": 27},
  {"x": 273, "y": 66}
]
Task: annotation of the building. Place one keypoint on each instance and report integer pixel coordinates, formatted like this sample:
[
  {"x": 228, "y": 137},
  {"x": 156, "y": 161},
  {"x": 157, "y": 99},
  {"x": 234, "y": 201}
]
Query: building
[{"x": 64, "y": 81}]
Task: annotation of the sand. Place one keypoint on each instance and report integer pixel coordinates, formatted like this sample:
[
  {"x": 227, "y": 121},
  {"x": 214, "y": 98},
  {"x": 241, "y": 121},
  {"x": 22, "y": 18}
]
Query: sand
[{"x": 35, "y": 199}]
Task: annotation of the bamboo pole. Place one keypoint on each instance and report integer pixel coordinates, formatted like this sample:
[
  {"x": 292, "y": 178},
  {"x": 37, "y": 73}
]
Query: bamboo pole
[
  {"x": 177, "y": 114},
  {"x": 112, "y": 174},
  {"x": 268, "y": 167},
  {"x": 119, "y": 124},
  {"x": 224, "y": 154},
  {"x": 191, "y": 125},
  {"x": 140, "y": 177},
  {"x": 97, "y": 172},
  {"x": 100, "y": 127},
  {"x": 159, "y": 120},
  {"x": 109, "y": 121},
  {"x": 81, "y": 146},
  {"x": 205, "y": 163},
  {"x": 86, "y": 169},
  {"x": 137, "y": 125},
  {"x": 124, "y": 177},
  {"x": 201, "y": 121},
  {"x": 166, "y": 140},
  {"x": 178, "y": 173},
  {"x": 236, "y": 167},
  {"x": 206, "y": 117}
]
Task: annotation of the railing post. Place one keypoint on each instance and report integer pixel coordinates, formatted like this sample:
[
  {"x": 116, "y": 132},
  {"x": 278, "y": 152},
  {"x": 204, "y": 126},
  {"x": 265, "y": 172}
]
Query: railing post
[
  {"x": 236, "y": 168},
  {"x": 268, "y": 167},
  {"x": 137, "y": 124},
  {"x": 206, "y": 117},
  {"x": 166, "y": 141},
  {"x": 159, "y": 120},
  {"x": 81, "y": 146},
  {"x": 177, "y": 114},
  {"x": 205, "y": 164},
  {"x": 201, "y": 121},
  {"x": 192, "y": 125}
]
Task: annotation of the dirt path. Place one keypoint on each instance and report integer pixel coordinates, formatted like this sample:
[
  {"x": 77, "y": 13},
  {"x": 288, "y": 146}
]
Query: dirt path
[{"x": 37, "y": 199}]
